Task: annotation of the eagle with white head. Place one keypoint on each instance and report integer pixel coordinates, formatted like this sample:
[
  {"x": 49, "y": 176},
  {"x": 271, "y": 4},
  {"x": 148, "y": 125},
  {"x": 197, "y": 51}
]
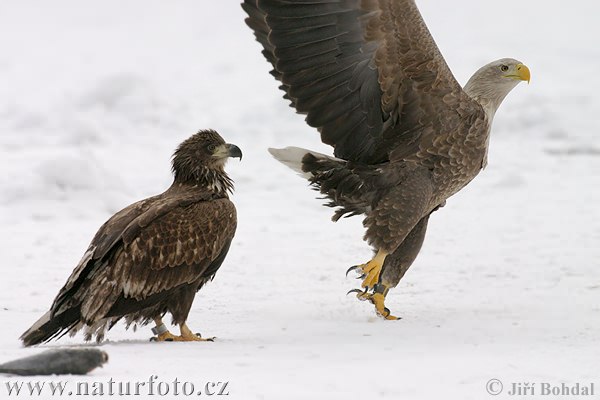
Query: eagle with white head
[{"x": 406, "y": 136}]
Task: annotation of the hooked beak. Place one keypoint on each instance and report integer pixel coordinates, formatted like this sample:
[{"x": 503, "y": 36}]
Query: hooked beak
[
  {"x": 227, "y": 150},
  {"x": 522, "y": 73},
  {"x": 231, "y": 150}
]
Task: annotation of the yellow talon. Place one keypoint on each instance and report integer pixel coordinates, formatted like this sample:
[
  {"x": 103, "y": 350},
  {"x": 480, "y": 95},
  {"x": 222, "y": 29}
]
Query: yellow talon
[
  {"x": 372, "y": 269},
  {"x": 166, "y": 337},
  {"x": 377, "y": 299},
  {"x": 186, "y": 335}
]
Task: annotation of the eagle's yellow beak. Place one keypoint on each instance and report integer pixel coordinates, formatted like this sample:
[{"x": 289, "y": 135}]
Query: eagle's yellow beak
[{"x": 522, "y": 73}]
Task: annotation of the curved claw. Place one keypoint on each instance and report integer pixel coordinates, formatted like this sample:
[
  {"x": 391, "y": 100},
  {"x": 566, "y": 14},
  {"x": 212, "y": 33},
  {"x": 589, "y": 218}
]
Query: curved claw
[
  {"x": 386, "y": 315},
  {"x": 153, "y": 339},
  {"x": 210, "y": 339},
  {"x": 358, "y": 291},
  {"x": 353, "y": 268},
  {"x": 377, "y": 300}
]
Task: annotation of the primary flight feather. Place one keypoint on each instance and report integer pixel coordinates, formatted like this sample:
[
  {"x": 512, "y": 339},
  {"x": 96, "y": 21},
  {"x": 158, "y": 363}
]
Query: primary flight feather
[{"x": 406, "y": 136}]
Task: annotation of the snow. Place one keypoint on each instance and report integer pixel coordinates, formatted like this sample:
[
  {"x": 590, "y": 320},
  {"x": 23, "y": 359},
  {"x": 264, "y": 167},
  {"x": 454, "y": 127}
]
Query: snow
[{"x": 95, "y": 97}]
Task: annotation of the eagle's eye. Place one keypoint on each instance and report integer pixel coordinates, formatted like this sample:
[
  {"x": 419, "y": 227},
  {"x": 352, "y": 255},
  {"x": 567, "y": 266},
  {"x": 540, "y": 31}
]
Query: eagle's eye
[
  {"x": 211, "y": 147},
  {"x": 504, "y": 68}
]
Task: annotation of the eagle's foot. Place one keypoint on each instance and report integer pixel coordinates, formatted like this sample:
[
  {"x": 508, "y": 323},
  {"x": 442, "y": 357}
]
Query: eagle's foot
[
  {"x": 194, "y": 337},
  {"x": 188, "y": 336},
  {"x": 370, "y": 271},
  {"x": 377, "y": 299},
  {"x": 163, "y": 335},
  {"x": 169, "y": 337}
]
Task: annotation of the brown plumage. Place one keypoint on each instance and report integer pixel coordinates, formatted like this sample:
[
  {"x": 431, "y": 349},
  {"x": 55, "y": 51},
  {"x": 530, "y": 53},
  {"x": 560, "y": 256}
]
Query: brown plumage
[
  {"x": 154, "y": 255},
  {"x": 369, "y": 76}
]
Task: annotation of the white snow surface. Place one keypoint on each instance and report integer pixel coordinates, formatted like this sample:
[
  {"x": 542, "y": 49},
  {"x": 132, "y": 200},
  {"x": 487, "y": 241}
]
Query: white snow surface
[{"x": 94, "y": 97}]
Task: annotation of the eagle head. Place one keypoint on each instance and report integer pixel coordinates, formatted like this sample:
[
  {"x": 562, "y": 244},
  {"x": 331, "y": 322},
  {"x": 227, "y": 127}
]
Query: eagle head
[
  {"x": 492, "y": 82},
  {"x": 202, "y": 155}
]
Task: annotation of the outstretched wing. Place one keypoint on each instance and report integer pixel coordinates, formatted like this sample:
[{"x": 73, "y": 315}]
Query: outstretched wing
[{"x": 366, "y": 73}]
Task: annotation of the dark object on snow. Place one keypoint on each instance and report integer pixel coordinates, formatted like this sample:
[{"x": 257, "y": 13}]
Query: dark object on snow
[
  {"x": 153, "y": 256},
  {"x": 57, "y": 362}
]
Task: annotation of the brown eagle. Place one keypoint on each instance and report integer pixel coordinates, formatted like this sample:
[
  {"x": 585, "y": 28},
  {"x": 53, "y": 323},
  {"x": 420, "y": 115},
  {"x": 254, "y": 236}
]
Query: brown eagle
[
  {"x": 406, "y": 136},
  {"x": 154, "y": 255}
]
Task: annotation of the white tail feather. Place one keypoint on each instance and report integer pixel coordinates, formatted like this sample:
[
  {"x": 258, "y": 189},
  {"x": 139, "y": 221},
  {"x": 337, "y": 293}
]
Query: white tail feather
[{"x": 292, "y": 157}]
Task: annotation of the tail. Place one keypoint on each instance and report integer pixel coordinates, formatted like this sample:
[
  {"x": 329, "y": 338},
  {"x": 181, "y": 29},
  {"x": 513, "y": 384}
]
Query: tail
[
  {"x": 48, "y": 327},
  {"x": 293, "y": 157},
  {"x": 344, "y": 185}
]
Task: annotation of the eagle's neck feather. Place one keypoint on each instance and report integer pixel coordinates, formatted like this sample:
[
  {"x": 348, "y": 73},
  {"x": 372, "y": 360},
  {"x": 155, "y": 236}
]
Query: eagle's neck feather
[
  {"x": 489, "y": 94},
  {"x": 214, "y": 180}
]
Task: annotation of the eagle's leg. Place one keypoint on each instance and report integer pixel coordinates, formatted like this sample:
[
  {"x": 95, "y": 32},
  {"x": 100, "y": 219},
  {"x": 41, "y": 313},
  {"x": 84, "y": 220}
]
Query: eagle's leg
[
  {"x": 396, "y": 265},
  {"x": 377, "y": 298},
  {"x": 370, "y": 271},
  {"x": 161, "y": 332}
]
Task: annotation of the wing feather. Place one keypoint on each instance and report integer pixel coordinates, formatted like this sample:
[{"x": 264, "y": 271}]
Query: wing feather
[
  {"x": 189, "y": 239},
  {"x": 366, "y": 73},
  {"x": 151, "y": 246}
]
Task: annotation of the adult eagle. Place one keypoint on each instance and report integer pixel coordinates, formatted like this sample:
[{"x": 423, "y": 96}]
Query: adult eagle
[
  {"x": 154, "y": 255},
  {"x": 406, "y": 136}
]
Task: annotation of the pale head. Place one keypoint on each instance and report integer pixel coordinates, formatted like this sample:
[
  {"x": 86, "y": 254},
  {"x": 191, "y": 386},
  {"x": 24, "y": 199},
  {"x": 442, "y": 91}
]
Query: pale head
[{"x": 492, "y": 82}]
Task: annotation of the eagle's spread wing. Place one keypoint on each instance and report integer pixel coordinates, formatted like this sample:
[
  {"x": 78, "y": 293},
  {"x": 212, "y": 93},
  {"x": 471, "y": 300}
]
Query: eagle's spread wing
[
  {"x": 366, "y": 73},
  {"x": 150, "y": 247}
]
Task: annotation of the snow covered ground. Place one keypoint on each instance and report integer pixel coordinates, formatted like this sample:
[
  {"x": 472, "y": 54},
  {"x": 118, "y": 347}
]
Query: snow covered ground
[{"x": 94, "y": 96}]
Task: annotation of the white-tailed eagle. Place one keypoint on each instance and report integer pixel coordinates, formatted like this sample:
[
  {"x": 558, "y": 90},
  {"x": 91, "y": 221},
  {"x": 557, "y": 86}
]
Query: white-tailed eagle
[
  {"x": 153, "y": 256},
  {"x": 406, "y": 136}
]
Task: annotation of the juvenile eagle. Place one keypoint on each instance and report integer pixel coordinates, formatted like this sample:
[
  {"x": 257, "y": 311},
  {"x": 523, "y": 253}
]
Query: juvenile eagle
[
  {"x": 154, "y": 255},
  {"x": 406, "y": 136}
]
